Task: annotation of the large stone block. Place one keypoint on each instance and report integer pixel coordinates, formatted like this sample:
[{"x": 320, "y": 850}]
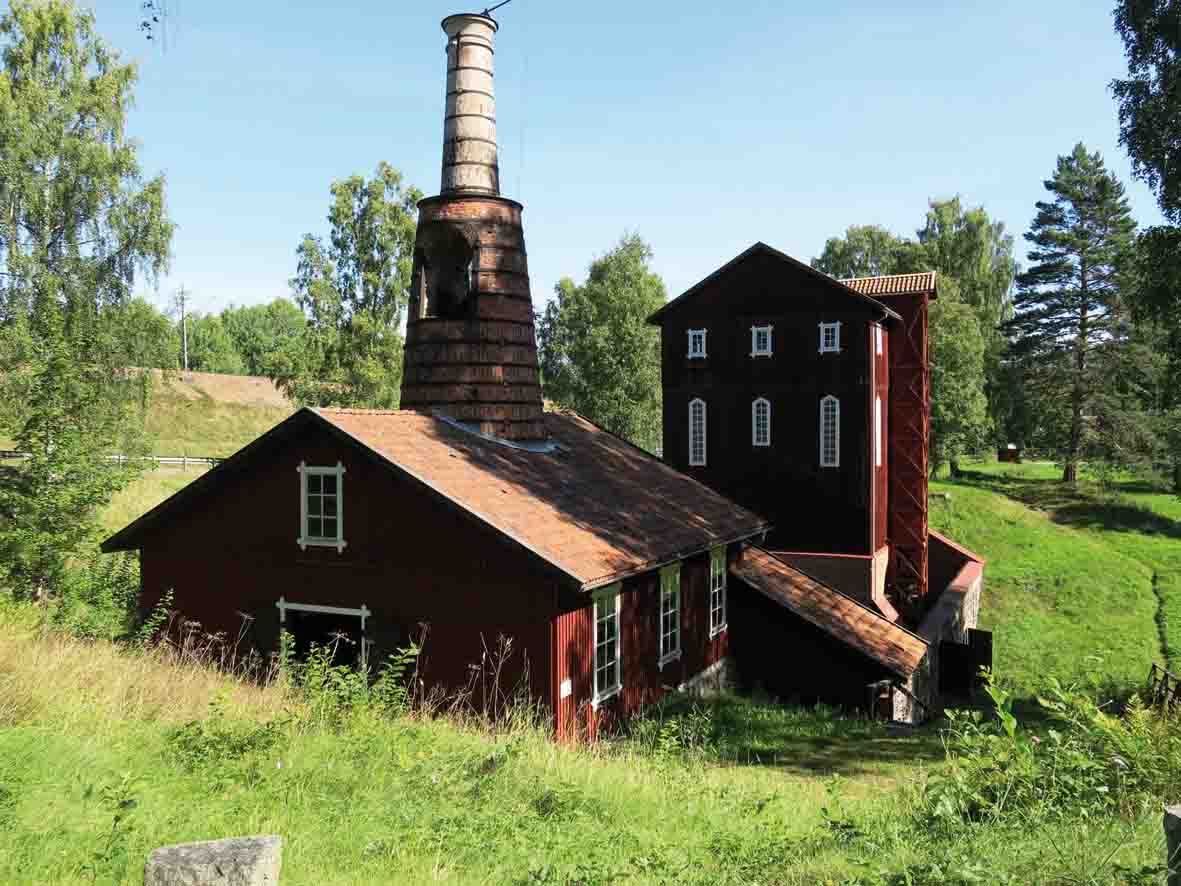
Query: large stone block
[
  {"x": 239, "y": 861},
  {"x": 1173, "y": 844}
]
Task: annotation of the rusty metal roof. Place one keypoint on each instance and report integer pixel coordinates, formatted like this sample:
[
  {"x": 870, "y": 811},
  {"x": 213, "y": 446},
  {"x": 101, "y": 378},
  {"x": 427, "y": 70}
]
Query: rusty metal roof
[
  {"x": 894, "y": 284},
  {"x": 837, "y": 614}
]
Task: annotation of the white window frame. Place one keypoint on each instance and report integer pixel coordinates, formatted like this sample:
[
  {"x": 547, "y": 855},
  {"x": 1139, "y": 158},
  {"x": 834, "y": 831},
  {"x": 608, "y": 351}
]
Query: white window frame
[
  {"x": 697, "y": 333},
  {"x": 754, "y": 422},
  {"x": 754, "y": 341},
  {"x": 363, "y": 613},
  {"x": 717, "y": 590},
  {"x": 608, "y": 597},
  {"x": 306, "y": 541},
  {"x": 877, "y": 431},
  {"x": 670, "y": 593},
  {"x": 694, "y": 462},
  {"x": 835, "y": 329},
  {"x": 835, "y": 462},
  {"x": 877, "y": 339}
]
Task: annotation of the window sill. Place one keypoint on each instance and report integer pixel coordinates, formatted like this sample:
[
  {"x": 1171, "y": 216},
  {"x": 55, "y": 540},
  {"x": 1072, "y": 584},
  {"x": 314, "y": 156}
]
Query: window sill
[
  {"x": 761, "y": 445},
  {"x": 305, "y": 543},
  {"x": 671, "y": 657},
  {"x": 605, "y": 696},
  {"x": 762, "y": 354},
  {"x": 834, "y": 351}
]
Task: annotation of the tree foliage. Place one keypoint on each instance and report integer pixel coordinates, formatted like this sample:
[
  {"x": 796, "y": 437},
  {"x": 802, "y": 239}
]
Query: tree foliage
[
  {"x": 868, "y": 251},
  {"x": 1149, "y": 100},
  {"x": 266, "y": 337},
  {"x": 78, "y": 226},
  {"x": 598, "y": 355},
  {"x": 353, "y": 290},
  {"x": 148, "y": 337},
  {"x": 959, "y": 410},
  {"x": 1067, "y": 323}
]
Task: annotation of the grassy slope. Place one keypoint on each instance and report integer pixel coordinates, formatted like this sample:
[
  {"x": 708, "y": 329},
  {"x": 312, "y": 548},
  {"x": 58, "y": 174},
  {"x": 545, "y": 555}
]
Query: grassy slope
[
  {"x": 193, "y": 421},
  {"x": 1055, "y": 597},
  {"x": 413, "y": 801},
  {"x": 1136, "y": 524}
]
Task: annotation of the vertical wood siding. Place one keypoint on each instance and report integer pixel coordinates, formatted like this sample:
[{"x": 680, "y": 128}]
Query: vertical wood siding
[
  {"x": 411, "y": 558},
  {"x": 813, "y": 508}
]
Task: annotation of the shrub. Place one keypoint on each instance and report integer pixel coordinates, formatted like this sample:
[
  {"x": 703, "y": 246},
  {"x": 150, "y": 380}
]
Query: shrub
[{"x": 1089, "y": 764}]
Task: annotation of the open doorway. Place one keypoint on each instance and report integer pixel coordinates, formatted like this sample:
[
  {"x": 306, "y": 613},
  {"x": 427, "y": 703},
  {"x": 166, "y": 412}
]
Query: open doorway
[{"x": 339, "y": 629}]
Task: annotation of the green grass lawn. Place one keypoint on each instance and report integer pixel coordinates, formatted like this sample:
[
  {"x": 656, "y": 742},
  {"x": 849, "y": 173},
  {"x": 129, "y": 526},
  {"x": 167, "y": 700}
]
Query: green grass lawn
[
  {"x": 1099, "y": 572},
  {"x": 789, "y": 797}
]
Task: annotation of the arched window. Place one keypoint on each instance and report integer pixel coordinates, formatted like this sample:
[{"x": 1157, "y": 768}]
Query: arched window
[
  {"x": 697, "y": 432},
  {"x": 830, "y": 432},
  {"x": 760, "y": 422}
]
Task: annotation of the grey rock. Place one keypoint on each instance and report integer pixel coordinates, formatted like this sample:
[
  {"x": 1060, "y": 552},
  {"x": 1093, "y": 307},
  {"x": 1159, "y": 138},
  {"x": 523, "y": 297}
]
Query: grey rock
[
  {"x": 1173, "y": 842},
  {"x": 238, "y": 861}
]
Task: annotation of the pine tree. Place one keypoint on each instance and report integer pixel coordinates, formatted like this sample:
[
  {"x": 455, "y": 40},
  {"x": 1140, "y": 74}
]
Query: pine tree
[{"x": 1067, "y": 308}]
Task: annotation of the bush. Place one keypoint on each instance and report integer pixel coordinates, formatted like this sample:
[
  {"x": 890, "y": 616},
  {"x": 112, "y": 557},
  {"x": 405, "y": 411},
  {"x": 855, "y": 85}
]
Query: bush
[
  {"x": 97, "y": 599},
  {"x": 1090, "y": 764}
]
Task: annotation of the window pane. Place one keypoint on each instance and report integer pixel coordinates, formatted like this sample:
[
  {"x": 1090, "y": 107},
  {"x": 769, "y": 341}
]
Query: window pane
[
  {"x": 315, "y": 528},
  {"x": 330, "y": 484},
  {"x": 314, "y": 483},
  {"x": 330, "y": 528},
  {"x": 330, "y": 506},
  {"x": 314, "y": 505}
]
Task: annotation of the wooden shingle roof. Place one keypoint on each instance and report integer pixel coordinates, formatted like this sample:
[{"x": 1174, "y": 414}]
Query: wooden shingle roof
[
  {"x": 837, "y": 614},
  {"x": 588, "y": 503},
  {"x": 894, "y": 284},
  {"x": 594, "y": 506}
]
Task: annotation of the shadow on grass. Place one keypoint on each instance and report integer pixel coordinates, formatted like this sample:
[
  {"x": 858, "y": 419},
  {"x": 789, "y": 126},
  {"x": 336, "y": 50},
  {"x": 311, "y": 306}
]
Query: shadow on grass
[
  {"x": 1070, "y": 506},
  {"x": 809, "y": 741}
]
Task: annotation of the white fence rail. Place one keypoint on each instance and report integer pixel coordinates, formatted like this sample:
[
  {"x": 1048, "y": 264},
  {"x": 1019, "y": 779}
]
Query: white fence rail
[{"x": 183, "y": 461}]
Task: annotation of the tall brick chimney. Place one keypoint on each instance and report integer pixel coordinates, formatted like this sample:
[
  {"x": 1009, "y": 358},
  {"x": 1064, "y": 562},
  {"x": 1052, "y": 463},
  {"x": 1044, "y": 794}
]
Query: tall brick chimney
[{"x": 471, "y": 348}]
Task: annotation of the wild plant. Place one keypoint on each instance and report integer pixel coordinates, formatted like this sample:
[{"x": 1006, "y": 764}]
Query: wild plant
[
  {"x": 110, "y": 857},
  {"x": 213, "y": 743}
]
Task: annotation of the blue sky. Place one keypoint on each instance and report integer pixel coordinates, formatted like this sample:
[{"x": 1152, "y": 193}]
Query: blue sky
[{"x": 704, "y": 126}]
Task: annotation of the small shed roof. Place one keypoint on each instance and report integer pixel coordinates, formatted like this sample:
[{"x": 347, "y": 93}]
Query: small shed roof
[
  {"x": 837, "y": 614},
  {"x": 895, "y": 284},
  {"x": 594, "y": 506}
]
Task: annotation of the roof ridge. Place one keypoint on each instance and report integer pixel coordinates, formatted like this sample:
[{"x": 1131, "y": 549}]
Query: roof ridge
[{"x": 888, "y": 276}]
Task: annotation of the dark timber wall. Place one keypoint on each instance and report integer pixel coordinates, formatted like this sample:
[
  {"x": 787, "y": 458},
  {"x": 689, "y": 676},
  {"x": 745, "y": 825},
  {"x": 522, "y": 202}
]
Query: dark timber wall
[{"x": 813, "y": 508}]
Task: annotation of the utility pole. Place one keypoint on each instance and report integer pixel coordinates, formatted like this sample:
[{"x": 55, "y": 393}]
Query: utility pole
[{"x": 184, "y": 327}]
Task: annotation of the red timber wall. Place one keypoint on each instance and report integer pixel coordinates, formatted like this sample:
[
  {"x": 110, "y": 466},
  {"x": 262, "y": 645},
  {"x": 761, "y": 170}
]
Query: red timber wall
[
  {"x": 881, "y": 474},
  {"x": 411, "y": 558},
  {"x": 643, "y": 681},
  {"x": 910, "y": 415}
]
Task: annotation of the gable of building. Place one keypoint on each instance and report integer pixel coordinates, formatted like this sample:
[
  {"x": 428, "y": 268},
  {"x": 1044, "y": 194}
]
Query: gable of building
[
  {"x": 764, "y": 280},
  {"x": 591, "y": 506}
]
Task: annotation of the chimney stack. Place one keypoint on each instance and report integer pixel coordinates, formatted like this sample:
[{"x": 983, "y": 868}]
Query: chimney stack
[
  {"x": 469, "y": 127},
  {"x": 471, "y": 347}
]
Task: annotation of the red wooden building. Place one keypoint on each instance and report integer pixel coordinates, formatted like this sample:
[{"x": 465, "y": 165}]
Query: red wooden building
[{"x": 795, "y": 406}]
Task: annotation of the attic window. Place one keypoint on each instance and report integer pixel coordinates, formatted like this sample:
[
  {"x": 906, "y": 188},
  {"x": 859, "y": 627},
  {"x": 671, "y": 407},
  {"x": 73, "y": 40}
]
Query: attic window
[
  {"x": 760, "y": 341},
  {"x": 321, "y": 500},
  {"x": 697, "y": 344},
  {"x": 830, "y": 338}
]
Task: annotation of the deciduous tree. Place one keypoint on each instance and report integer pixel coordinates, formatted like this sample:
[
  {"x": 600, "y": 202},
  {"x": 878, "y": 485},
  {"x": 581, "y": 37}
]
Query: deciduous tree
[
  {"x": 78, "y": 226},
  {"x": 353, "y": 291},
  {"x": 598, "y": 355}
]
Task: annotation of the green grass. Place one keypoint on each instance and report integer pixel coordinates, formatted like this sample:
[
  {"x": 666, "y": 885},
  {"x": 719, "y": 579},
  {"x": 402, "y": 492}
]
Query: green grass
[
  {"x": 421, "y": 800},
  {"x": 203, "y": 426},
  {"x": 1056, "y": 597}
]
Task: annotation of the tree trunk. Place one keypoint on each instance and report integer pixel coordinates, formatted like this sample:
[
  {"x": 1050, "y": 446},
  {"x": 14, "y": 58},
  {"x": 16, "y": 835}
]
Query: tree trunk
[
  {"x": 1177, "y": 477},
  {"x": 953, "y": 465},
  {"x": 1078, "y": 394}
]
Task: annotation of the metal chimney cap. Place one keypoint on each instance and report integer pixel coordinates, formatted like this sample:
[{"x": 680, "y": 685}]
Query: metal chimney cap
[{"x": 470, "y": 15}]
